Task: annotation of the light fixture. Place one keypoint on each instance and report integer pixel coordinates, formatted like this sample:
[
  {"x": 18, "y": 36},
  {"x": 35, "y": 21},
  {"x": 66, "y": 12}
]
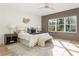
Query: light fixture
[
  {"x": 47, "y": 6},
  {"x": 26, "y": 20}
]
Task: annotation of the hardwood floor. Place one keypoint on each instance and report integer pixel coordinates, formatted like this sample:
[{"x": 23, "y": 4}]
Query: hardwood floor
[{"x": 4, "y": 51}]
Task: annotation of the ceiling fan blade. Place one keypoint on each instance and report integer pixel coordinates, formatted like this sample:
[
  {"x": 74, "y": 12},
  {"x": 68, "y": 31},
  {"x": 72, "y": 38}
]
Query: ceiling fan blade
[{"x": 47, "y": 6}]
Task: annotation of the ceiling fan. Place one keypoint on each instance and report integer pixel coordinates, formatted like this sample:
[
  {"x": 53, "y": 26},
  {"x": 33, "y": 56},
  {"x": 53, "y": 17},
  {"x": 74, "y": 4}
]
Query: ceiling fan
[{"x": 47, "y": 6}]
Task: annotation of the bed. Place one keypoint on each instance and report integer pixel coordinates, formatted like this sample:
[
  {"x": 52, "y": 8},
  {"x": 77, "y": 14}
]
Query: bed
[{"x": 31, "y": 40}]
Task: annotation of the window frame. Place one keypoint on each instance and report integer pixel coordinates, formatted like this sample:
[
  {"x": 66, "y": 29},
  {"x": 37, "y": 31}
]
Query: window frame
[{"x": 64, "y": 25}]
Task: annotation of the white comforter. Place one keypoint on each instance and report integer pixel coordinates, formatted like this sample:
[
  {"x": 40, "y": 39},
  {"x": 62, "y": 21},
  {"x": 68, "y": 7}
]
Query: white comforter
[{"x": 32, "y": 39}]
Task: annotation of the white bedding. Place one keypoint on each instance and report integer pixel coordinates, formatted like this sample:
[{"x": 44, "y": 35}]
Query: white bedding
[{"x": 32, "y": 39}]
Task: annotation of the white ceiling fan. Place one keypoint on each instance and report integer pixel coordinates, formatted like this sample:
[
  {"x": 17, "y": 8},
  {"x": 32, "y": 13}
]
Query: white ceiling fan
[{"x": 47, "y": 6}]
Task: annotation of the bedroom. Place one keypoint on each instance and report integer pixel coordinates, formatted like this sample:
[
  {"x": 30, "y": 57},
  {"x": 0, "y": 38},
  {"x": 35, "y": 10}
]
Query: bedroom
[{"x": 38, "y": 15}]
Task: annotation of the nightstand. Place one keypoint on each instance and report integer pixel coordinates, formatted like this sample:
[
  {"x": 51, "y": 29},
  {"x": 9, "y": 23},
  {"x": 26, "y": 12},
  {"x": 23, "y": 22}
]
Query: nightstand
[{"x": 10, "y": 38}]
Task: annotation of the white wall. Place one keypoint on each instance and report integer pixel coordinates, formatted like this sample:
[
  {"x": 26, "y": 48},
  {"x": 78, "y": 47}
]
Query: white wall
[{"x": 14, "y": 17}]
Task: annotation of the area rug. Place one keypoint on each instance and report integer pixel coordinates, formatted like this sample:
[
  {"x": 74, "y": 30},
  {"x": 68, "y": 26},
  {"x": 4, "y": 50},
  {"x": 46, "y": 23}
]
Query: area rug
[{"x": 19, "y": 49}]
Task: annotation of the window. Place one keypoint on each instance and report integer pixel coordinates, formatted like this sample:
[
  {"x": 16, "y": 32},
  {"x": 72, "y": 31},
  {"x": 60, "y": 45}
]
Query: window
[
  {"x": 64, "y": 24},
  {"x": 60, "y": 24},
  {"x": 52, "y": 24}
]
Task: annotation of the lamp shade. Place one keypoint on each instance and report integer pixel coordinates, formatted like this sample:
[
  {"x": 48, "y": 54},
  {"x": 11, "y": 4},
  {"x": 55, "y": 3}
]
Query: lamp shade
[{"x": 11, "y": 29}]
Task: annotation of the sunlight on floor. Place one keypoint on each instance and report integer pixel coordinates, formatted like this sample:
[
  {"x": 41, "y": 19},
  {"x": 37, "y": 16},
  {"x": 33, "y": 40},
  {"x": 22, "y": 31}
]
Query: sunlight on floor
[
  {"x": 56, "y": 43},
  {"x": 59, "y": 52},
  {"x": 70, "y": 46},
  {"x": 65, "y": 48}
]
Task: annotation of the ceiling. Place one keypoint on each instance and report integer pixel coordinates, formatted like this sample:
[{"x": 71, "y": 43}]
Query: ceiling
[{"x": 34, "y": 8}]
